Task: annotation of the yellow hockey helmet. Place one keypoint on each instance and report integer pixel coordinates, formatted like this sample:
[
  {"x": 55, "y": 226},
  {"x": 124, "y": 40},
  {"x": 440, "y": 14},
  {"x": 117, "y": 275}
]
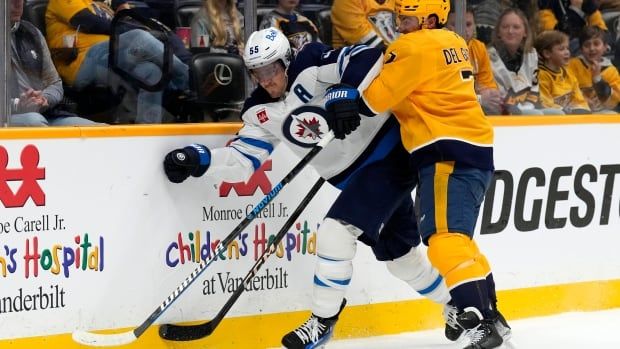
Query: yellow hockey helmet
[{"x": 424, "y": 8}]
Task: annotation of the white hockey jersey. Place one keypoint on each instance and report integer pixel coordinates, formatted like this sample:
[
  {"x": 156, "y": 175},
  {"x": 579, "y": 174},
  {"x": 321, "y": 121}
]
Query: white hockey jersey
[
  {"x": 520, "y": 87},
  {"x": 298, "y": 120}
]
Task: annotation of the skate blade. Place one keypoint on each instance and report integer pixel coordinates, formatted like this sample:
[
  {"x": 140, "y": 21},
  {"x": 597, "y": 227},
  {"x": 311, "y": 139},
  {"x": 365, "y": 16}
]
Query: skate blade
[{"x": 509, "y": 344}]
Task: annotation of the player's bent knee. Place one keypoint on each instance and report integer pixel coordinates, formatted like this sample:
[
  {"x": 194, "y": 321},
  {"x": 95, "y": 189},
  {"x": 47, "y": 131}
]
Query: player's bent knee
[
  {"x": 411, "y": 266},
  {"x": 455, "y": 258},
  {"x": 335, "y": 241},
  {"x": 482, "y": 259},
  {"x": 415, "y": 269}
]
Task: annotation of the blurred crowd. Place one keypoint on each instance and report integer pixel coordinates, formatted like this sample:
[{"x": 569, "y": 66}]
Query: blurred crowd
[{"x": 89, "y": 62}]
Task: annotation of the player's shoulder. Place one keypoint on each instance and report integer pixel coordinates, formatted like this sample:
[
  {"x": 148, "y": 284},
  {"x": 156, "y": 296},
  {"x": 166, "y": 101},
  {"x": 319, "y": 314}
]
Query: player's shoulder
[
  {"x": 448, "y": 38},
  {"x": 312, "y": 54},
  {"x": 406, "y": 45},
  {"x": 257, "y": 98}
]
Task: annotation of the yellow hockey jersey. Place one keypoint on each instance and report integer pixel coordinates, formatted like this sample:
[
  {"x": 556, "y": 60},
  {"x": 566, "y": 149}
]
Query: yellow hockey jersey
[
  {"x": 580, "y": 70},
  {"x": 560, "y": 90},
  {"x": 427, "y": 80},
  {"x": 368, "y": 22}
]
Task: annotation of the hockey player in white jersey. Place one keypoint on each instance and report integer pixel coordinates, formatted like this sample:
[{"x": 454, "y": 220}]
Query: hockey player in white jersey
[{"x": 287, "y": 108}]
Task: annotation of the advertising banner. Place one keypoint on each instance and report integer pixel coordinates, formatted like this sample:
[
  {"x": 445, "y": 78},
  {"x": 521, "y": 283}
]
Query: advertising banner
[{"x": 93, "y": 235}]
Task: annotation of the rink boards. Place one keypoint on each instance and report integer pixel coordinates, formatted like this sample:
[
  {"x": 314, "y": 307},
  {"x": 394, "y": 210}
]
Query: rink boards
[{"x": 93, "y": 237}]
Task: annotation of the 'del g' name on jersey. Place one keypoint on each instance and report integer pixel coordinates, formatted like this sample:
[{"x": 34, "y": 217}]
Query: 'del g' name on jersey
[
  {"x": 298, "y": 119},
  {"x": 427, "y": 80}
]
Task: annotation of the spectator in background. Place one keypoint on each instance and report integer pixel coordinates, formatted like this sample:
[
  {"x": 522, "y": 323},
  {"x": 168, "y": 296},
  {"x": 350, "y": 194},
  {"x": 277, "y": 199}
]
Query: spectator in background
[
  {"x": 143, "y": 8},
  {"x": 298, "y": 29},
  {"x": 86, "y": 62},
  {"x": 611, "y": 11},
  {"x": 34, "y": 85},
  {"x": 559, "y": 89},
  {"x": 570, "y": 17},
  {"x": 484, "y": 83},
  {"x": 486, "y": 13},
  {"x": 515, "y": 63},
  {"x": 218, "y": 25},
  {"x": 368, "y": 22},
  {"x": 598, "y": 78}
]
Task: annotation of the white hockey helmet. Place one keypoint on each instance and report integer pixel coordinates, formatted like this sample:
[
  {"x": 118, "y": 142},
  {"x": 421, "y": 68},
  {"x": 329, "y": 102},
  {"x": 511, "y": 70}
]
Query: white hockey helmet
[
  {"x": 265, "y": 47},
  {"x": 424, "y": 8}
]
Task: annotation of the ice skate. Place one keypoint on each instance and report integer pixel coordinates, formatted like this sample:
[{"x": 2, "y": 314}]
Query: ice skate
[
  {"x": 481, "y": 333},
  {"x": 452, "y": 331},
  {"x": 502, "y": 326},
  {"x": 314, "y": 333}
]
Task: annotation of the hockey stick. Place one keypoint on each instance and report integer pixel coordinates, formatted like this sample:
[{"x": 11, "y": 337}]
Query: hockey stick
[
  {"x": 112, "y": 339},
  {"x": 193, "y": 332}
]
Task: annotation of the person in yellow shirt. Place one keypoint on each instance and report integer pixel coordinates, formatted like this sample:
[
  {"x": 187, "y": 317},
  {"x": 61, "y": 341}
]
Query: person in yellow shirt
[
  {"x": 559, "y": 89},
  {"x": 368, "y": 22},
  {"x": 427, "y": 81},
  {"x": 484, "y": 83},
  {"x": 570, "y": 17},
  {"x": 598, "y": 78}
]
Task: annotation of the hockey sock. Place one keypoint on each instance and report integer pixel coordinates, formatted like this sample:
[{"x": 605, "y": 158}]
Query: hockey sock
[
  {"x": 415, "y": 269},
  {"x": 336, "y": 247}
]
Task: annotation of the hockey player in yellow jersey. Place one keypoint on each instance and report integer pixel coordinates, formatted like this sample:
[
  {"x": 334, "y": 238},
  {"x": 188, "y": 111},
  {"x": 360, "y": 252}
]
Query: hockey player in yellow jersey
[
  {"x": 367, "y": 22},
  {"x": 427, "y": 82}
]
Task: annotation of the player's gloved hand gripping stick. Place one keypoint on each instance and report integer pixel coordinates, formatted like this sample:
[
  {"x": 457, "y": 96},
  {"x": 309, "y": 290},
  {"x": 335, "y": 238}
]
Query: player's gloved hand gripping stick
[
  {"x": 342, "y": 106},
  {"x": 193, "y": 332},
  {"x": 112, "y": 339}
]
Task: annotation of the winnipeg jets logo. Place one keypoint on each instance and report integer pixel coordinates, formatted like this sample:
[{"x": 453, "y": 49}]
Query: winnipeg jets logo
[
  {"x": 308, "y": 128},
  {"x": 305, "y": 126}
]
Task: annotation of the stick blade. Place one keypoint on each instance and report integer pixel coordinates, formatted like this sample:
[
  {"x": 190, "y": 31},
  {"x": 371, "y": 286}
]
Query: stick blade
[
  {"x": 185, "y": 333},
  {"x": 103, "y": 340}
]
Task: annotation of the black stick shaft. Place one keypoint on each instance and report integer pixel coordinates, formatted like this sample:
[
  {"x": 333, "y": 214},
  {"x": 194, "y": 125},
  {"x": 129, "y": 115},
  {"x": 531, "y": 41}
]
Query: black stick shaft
[
  {"x": 223, "y": 245},
  {"x": 271, "y": 248},
  {"x": 193, "y": 332}
]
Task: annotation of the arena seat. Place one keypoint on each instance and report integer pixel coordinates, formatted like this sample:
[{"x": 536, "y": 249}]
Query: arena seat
[
  {"x": 34, "y": 12},
  {"x": 184, "y": 11},
  {"x": 219, "y": 84}
]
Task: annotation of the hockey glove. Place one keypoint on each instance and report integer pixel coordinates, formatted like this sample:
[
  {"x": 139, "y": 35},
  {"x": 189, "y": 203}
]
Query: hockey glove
[
  {"x": 193, "y": 160},
  {"x": 341, "y": 104}
]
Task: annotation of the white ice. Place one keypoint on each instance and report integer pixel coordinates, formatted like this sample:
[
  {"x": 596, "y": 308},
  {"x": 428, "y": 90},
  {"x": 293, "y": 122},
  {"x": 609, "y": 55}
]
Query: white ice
[{"x": 591, "y": 330}]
